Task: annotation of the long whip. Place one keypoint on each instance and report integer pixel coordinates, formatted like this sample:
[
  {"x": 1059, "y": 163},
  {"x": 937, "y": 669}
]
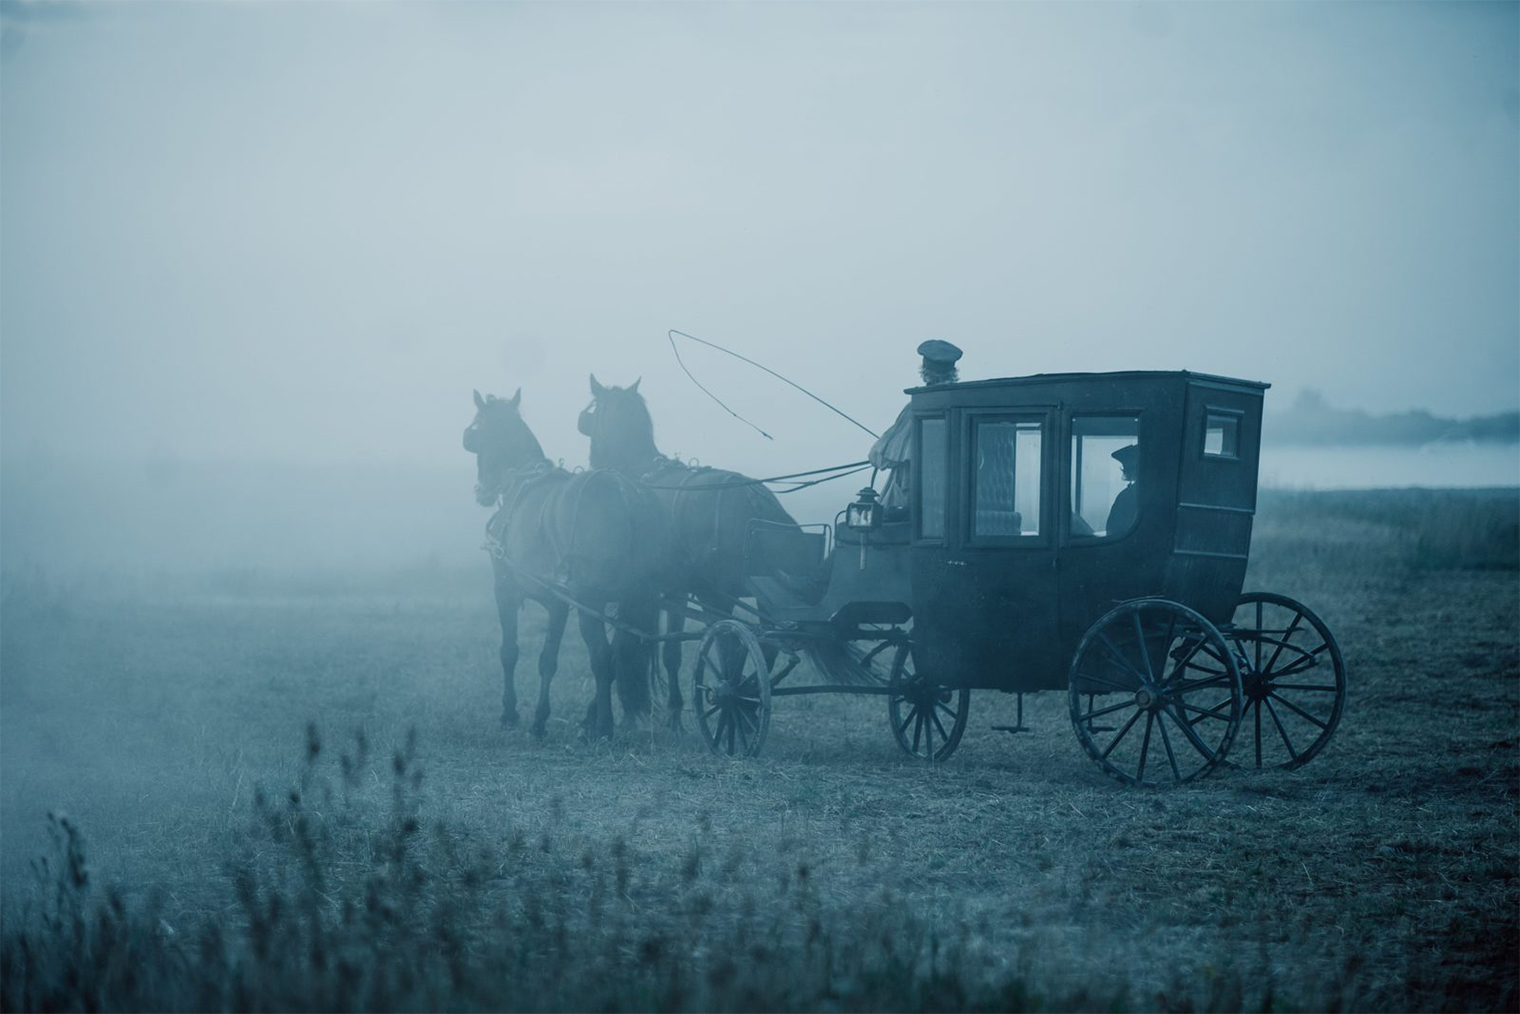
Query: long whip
[{"x": 713, "y": 345}]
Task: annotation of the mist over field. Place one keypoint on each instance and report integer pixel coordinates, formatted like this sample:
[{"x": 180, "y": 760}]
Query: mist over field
[{"x": 255, "y": 259}]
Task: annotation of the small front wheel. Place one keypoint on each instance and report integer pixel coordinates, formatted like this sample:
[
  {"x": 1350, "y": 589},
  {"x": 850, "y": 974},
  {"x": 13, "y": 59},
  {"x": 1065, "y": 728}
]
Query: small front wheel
[
  {"x": 1155, "y": 693},
  {"x": 927, "y": 719},
  {"x": 731, "y": 690}
]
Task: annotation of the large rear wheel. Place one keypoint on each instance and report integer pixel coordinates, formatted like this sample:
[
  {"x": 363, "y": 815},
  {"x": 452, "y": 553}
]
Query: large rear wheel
[
  {"x": 731, "y": 690},
  {"x": 927, "y": 719},
  {"x": 1155, "y": 693},
  {"x": 1294, "y": 681}
]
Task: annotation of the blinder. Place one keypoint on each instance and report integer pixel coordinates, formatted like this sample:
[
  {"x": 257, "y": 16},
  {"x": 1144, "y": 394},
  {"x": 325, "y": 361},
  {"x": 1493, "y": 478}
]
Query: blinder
[
  {"x": 472, "y": 440},
  {"x": 587, "y": 420}
]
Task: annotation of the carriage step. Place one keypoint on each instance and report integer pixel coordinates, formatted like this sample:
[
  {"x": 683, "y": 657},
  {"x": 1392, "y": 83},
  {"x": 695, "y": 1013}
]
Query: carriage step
[{"x": 1018, "y": 725}]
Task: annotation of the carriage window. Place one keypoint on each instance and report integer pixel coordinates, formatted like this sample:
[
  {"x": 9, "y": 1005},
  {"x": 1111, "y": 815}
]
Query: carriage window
[
  {"x": 1007, "y": 480},
  {"x": 932, "y": 436},
  {"x": 1105, "y": 469},
  {"x": 1221, "y": 435}
]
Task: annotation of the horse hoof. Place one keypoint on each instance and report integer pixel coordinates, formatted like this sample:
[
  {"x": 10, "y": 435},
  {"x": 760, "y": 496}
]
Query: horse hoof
[
  {"x": 673, "y": 723},
  {"x": 509, "y": 720},
  {"x": 538, "y": 730}
]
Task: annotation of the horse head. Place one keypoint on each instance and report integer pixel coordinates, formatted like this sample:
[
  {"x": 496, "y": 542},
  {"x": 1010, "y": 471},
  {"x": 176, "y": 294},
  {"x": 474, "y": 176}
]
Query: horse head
[
  {"x": 501, "y": 443},
  {"x": 621, "y": 431}
]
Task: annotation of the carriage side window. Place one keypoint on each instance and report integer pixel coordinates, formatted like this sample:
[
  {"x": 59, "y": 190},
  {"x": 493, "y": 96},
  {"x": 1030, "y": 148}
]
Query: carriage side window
[
  {"x": 1105, "y": 473},
  {"x": 1221, "y": 435},
  {"x": 934, "y": 454},
  {"x": 1007, "y": 478}
]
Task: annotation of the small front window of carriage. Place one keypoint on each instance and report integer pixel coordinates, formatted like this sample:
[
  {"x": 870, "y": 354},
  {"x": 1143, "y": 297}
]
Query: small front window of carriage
[
  {"x": 1006, "y": 493},
  {"x": 1105, "y": 474},
  {"x": 934, "y": 454},
  {"x": 1221, "y": 435}
]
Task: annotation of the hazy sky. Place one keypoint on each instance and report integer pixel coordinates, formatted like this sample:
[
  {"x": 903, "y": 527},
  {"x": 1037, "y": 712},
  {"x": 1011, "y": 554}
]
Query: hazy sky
[{"x": 307, "y": 231}]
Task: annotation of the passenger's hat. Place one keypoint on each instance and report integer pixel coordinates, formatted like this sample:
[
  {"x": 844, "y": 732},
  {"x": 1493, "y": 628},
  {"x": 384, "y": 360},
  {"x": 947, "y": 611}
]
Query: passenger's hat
[
  {"x": 936, "y": 351},
  {"x": 1127, "y": 455}
]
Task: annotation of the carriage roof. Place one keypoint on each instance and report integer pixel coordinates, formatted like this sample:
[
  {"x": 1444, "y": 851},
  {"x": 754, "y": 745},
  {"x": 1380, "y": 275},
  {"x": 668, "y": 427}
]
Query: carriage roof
[{"x": 1113, "y": 380}]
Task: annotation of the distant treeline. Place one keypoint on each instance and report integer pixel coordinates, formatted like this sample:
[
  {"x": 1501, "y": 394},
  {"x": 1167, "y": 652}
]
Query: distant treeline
[{"x": 1312, "y": 421}]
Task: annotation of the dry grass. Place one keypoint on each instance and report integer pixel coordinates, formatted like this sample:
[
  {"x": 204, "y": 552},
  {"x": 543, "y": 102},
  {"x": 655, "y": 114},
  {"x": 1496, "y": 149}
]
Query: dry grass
[{"x": 645, "y": 873}]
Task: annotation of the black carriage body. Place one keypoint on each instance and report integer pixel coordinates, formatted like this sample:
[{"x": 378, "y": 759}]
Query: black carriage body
[{"x": 1010, "y": 564}]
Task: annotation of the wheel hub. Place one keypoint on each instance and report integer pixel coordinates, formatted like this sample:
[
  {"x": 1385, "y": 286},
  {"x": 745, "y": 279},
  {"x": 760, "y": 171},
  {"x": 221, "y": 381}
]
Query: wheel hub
[{"x": 1147, "y": 698}]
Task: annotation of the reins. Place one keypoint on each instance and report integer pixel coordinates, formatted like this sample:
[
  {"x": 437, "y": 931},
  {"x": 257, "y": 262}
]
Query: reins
[{"x": 837, "y": 472}]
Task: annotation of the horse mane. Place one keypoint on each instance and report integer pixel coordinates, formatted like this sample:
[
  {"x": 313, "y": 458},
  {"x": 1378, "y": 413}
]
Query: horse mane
[
  {"x": 623, "y": 438},
  {"x": 503, "y": 414}
]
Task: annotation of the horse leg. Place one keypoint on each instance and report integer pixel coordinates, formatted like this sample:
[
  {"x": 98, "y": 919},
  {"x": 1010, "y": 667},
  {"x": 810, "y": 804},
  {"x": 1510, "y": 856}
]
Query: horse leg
[
  {"x": 632, "y": 657},
  {"x": 548, "y": 661},
  {"x": 508, "y": 602},
  {"x": 670, "y": 653},
  {"x": 599, "y": 716}
]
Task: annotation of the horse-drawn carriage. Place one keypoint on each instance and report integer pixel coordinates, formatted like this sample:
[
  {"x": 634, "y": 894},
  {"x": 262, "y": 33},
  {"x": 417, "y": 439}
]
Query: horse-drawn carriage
[{"x": 1085, "y": 532}]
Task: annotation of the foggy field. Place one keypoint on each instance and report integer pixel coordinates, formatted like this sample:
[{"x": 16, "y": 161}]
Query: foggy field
[{"x": 166, "y": 717}]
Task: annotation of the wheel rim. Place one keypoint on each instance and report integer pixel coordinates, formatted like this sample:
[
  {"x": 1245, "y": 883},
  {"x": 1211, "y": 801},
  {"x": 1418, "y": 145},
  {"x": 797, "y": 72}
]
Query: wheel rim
[
  {"x": 927, "y": 720},
  {"x": 1293, "y": 678},
  {"x": 731, "y": 690},
  {"x": 1155, "y": 693}
]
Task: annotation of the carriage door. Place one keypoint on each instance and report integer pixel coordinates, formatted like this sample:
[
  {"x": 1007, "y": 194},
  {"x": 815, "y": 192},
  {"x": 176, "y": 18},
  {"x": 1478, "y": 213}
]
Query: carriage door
[
  {"x": 1216, "y": 496},
  {"x": 1008, "y": 527}
]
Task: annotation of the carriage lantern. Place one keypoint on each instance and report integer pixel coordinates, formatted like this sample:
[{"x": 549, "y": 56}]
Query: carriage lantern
[{"x": 864, "y": 515}]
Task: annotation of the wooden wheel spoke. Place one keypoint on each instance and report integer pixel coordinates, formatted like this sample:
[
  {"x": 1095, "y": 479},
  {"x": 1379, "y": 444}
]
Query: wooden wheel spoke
[
  {"x": 1126, "y": 663},
  {"x": 1299, "y": 711},
  {"x": 1145, "y": 655},
  {"x": 1166, "y": 741},
  {"x": 1280, "y": 730},
  {"x": 1259, "y": 606},
  {"x": 1122, "y": 731},
  {"x": 1212, "y": 654},
  {"x": 1145, "y": 745},
  {"x": 1306, "y": 686},
  {"x": 1287, "y": 636},
  {"x": 1105, "y": 682},
  {"x": 938, "y": 724},
  {"x": 1183, "y": 687},
  {"x": 1089, "y": 716},
  {"x": 1198, "y": 744},
  {"x": 903, "y": 728},
  {"x": 1208, "y": 712},
  {"x": 1258, "y": 734},
  {"x": 1182, "y": 663},
  {"x": 1309, "y": 661}
]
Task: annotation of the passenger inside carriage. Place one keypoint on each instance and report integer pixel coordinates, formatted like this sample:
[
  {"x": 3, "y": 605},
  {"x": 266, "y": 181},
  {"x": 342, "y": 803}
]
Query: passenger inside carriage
[
  {"x": 1105, "y": 472},
  {"x": 1126, "y": 508}
]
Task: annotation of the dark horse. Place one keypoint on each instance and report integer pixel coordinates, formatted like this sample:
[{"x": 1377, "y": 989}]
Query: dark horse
[
  {"x": 710, "y": 509},
  {"x": 593, "y": 536}
]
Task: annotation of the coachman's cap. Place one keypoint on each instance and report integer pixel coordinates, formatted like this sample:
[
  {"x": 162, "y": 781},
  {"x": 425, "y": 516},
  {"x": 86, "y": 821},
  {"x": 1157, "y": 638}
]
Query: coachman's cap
[
  {"x": 936, "y": 351},
  {"x": 1127, "y": 455}
]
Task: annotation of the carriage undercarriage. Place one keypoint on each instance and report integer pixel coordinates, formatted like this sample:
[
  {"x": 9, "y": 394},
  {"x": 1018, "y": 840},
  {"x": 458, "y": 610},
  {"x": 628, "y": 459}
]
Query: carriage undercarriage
[{"x": 1157, "y": 695}]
